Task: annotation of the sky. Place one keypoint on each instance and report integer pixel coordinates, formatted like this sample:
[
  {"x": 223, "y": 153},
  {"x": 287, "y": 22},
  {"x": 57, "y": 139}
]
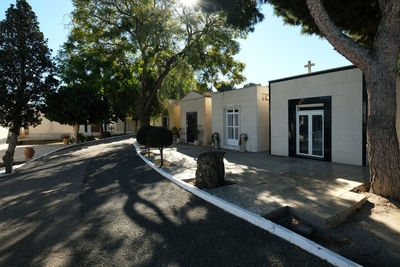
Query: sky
[{"x": 272, "y": 51}]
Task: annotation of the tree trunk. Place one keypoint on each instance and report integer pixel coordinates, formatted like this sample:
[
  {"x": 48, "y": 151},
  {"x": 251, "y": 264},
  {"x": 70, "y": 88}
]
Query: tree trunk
[
  {"x": 101, "y": 131},
  {"x": 383, "y": 145},
  {"x": 9, "y": 156},
  {"x": 76, "y": 131},
  {"x": 380, "y": 66},
  {"x": 162, "y": 157},
  {"x": 144, "y": 119},
  {"x": 125, "y": 126}
]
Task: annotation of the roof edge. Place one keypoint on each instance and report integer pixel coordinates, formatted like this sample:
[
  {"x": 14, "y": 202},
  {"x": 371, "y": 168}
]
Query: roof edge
[{"x": 349, "y": 67}]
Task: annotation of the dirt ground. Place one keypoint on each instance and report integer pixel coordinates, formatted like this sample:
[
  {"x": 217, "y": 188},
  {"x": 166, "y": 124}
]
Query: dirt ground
[
  {"x": 370, "y": 236},
  {"x": 166, "y": 163}
]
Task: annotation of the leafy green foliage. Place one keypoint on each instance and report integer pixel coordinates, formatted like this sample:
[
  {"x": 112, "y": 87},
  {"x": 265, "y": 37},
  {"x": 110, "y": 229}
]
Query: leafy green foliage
[
  {"x": 144, "y": 42},
  {"x": 250, "y": 85},
  {"x": 178, "y": 83},
  {"x": 142, "y": 134},
  {"x": 26, "y": 68},
  {"x": 176, "y": 131},
  {"x": 75, "y": 105},
  {"x": 159, "y": 137},
  {"x": 357, "y": 18},
  {"x": 243, "y": 14},
  {"x": 224, "y": 86}
]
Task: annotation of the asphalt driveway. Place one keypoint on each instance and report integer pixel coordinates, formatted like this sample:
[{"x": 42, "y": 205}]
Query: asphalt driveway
[{"x": 100, "y": 205}]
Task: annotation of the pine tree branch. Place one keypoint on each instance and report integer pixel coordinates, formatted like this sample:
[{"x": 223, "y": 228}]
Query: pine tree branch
[{"x": 354, "y": 52}]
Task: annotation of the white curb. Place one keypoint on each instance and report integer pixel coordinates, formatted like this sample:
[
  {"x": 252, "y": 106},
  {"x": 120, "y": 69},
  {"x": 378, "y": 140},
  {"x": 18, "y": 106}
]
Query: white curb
[
  {"x": 62, "y": 148},
  {"x": 257, "y": 220}
]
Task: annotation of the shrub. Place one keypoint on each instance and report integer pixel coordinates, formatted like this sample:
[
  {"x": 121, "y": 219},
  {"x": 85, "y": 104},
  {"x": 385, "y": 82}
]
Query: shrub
[
  {"x": 71, "y": 140},
  {"x": 160, "y": 137},
  {"x": 141, "y": 136},
  {"x": 81, "y": 138},
  {"x": 90, "y": 138},
  {"x": 107, "y": 134},
  {"x": 176, "y": 131}
]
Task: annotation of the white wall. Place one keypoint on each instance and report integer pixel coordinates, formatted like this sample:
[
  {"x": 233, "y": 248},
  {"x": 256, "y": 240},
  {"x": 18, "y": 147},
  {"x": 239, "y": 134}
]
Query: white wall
[
  {"x": 46, "y": 130},
  {"x": 3, "y": 135},
  {"x": 263, "y": 118},
  {"x": 345, "y": 88},
  {"x": 195, "y": 102},
  {"x": 253, "y": 116},
  {"x": 130, "y": 126}
]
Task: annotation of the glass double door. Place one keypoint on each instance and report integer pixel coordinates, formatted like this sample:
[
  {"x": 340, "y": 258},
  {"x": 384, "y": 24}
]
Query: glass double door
[
  {"x": 310, "y": 133},
  {"x": 232, "y": 127}
]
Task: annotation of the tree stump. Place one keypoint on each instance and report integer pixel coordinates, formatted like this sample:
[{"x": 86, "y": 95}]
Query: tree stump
[{"x": 210, "y": 171}]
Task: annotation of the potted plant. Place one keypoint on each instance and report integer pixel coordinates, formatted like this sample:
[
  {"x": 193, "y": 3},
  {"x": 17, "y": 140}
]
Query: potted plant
[
  {"x": 29, "y": 152},
  {"x": 242, "y": 142},
  {"x": 177, "y": 133},
  {"x": 197, "y": 136},
  {"x": 65, "y": 139},
  {"x": 215, "y": 140}
]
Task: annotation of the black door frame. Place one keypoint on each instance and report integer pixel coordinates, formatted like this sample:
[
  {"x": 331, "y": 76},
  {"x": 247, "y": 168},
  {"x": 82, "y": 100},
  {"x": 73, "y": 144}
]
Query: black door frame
[
  {"x": 188, "y": 131},
  {"x": 327, "y": 102}
]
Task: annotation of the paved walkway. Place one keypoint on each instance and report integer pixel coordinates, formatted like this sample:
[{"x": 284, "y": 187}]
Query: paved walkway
[
  {"x": 317, "y": 192},
  {"x": 102, "y": 205}
]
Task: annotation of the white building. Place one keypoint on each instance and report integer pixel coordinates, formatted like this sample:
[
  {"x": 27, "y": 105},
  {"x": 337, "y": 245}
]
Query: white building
[
  {"x": 195, "y": 117},
  {"x": 242, "y": 111},
  {"x": 46, "y": 130},
  {"x": 3, "y": 135},
  {"x": 320, "y": 115}
]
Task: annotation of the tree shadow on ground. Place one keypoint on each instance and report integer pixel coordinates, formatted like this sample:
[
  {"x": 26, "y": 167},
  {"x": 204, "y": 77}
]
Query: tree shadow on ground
[{"x": 135, "y": 217}]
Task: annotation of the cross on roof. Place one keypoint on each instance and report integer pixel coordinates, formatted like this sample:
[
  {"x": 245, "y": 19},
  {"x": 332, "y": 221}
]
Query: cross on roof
[{"x": 309, "y": 65}]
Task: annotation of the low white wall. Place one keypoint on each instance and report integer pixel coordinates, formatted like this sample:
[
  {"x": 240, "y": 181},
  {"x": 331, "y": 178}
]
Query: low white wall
[
  {"x": 345, "y": 88},
  {"x": 46, "y": 130},
  {"x": 3, "y": 135}
]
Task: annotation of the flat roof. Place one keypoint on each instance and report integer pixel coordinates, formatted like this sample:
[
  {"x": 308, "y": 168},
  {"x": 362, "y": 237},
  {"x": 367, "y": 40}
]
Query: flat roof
[{"x": 314, "y": 73}]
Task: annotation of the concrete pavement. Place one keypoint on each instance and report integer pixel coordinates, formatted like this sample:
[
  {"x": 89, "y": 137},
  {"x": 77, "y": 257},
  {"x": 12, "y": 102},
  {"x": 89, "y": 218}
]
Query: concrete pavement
[
  {"x": 319, "y": 193},
  {"x": 101, "y": 205}
]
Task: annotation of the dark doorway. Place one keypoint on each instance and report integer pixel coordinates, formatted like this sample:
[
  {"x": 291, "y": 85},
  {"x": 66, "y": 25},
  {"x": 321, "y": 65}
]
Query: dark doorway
[
  {"x": 310, "y": 128},
  {"x": 165, "y": 122},
  {"x": 191, "y": 126}
]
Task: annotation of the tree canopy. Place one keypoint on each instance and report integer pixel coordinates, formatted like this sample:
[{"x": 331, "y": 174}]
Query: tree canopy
[
  {"x": 76, "y": 105},
  {"x": 26, "y": 67},
  {"x": 149, "y": 40},
  {"x": 26, "y": 72},
  {"x": 357, "y": 18}
]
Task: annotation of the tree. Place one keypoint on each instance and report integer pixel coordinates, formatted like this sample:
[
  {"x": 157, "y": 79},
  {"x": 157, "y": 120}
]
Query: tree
[
  {"x": 224, "y": 86},
  {"x": 251, "y": 85},
  {"x": 142, "y": 135},
  {"x": 367, "y": 33},
  {"x": 161, "y": 138},
  {"x": 149, "y": 39},
  {"x": 87, "y": 78},
  {"x": 179, "y": 83},
  {"x": 27, "y": 73},
  {"x": 76, "y": 105}
]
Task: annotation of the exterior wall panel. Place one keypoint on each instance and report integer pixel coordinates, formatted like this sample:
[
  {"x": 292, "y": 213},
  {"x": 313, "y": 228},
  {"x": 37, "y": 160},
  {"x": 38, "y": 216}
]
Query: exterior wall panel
[
  {"x": 345, "y": 87},
  {"x": 253, "y": 116}
]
